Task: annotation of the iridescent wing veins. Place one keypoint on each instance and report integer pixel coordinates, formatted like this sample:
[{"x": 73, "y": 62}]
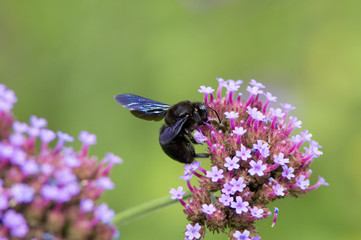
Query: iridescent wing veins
[{"x": 143, "y": 108}]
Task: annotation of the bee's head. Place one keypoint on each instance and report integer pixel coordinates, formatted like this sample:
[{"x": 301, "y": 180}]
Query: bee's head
[{"x": 200, "y": 113}]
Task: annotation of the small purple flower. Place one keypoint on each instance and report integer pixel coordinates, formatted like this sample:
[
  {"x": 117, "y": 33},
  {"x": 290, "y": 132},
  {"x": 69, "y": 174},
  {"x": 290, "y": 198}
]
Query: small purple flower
[
  {"x": 208, "y": 209},
  {"x": 231, "y": 163},
  {"x": 193, "y": 231},
  {"x": 232, "y": 86},
  {"x": 12, "y": 219},
  {"x": 276, "y": 112},
  {"x": 302, "y": 182},
  {"x": 20, "y": 127},
  {"x": 306, "y": 135},
  {"x": 17, "y": 139},
  {"x": 295, "y": 123},
  {"x": 313, "y": 150},
  {"x": 270, "y": 97},
  {"x": 65, "y": 176},
  {"x": 322, "y": 181},
  {"x": 252, "y": 111},
  {"x": 296, "y": 139},
  {"x": 225, "y": 200},
  {"x": 6, "y": 151},
  {"x": 227, "y": 188},
  {"x": 287, "y": 107},
  {"x": 38, "y": 122},
  {"x": 215, "y": 174},
  {"x": 278, "y": 189},
  {"x": 4, "y": 202},
  {"x": 46, "y": 168},
  {"x": 239, "y": 205},
  {"x": 279, "y": 159},
  {"x": 18, "y": 156},
  {"x": 50, "y": 192},
  {"x": 190, "y": 168},
  {"x": 104, "y": 213},
  {"x": 199, "y": 137},
  {"x": 186, "y": 177},
  {"x": 105, "y": 183},
  {"x": 177, "y": 194},
  {"x": 195, "y": 165},
  {"x": 33, "y": 131},
  {"x": 22, "y": 193},
  {"x": 239, "y": 131},
  {"x": 86, "y": 204},
  {"x": 20, "y": 231},
  {"x": 30, "y": 167},
  {"x": 72, "y": 189},
  {"x": 244, "y": 154},
  {"x": 112, "y": 158},
  {"x": 64, "y": 137},
  {"x": 257, "y": 168},
  {"x": 206, "y": 90},
  {"x": 231, "y": 115},
  {"x": 71, "y": 161},
  {"x": 262, "y": 147},
  {"x": 7, "y": 98},
  {"x": 241, "y": 236},
  {"x": 256, "y": 84},
  {"x": 254, "y": 90},
  {"x": 255, "y": 114},
  {"x": 47, "y": 135},
  {"x": 237, "y": 185},
  {"x": 16, "y": 222},
  {"x": 256, "y": 212},
  {"x": 87, "y": 138},
  {"x": 288, "y": 172}
]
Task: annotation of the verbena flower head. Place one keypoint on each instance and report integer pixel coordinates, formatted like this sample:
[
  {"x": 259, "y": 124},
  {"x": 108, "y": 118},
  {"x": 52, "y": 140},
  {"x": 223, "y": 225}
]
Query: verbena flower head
[
  {"x": 50, "y": 193},
  {"x": 255, "y": 161}
]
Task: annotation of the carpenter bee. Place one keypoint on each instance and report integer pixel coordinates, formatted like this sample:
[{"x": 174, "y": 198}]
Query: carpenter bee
[{"x": 180, "y": 120}]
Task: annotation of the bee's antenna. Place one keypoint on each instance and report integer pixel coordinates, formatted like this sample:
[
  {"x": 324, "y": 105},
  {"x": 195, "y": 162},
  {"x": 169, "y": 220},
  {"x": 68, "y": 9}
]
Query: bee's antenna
[{"x": 215, "y": 112}]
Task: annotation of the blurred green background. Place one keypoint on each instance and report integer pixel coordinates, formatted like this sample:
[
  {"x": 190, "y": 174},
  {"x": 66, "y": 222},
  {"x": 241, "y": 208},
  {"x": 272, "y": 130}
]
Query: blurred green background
[{"x": 67, "y": 59}]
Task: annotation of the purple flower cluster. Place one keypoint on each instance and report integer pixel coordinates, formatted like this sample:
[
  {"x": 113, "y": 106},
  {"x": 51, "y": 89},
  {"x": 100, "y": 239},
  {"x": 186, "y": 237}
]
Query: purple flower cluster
[
  {"x": 254, "y": 160},
  {"x": 50, "y": 193}
]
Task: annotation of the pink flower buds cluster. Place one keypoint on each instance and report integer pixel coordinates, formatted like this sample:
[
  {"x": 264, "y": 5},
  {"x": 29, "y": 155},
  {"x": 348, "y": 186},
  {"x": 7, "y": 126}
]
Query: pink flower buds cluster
[
  {"x": 254, "y": 158},
  {"x": 50, "y": 193}
]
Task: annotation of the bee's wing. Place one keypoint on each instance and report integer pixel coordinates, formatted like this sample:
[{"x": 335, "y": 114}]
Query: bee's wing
[
  {"x": 170, "y": 132},
  {"x": 143, "y": 108}
]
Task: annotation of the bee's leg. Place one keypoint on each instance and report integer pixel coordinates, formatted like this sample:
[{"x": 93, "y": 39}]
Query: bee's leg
[
  {"x": 194, "y": 154},
  {"x": 190, "y": 136},
  {"x": 202, "y": 155}
]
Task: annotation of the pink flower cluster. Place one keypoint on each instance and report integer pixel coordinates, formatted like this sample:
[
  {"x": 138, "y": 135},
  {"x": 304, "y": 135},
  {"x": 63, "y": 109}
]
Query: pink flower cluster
[
  {"x": 254, "y": 158},
  {"x": 50, "y": 193}
]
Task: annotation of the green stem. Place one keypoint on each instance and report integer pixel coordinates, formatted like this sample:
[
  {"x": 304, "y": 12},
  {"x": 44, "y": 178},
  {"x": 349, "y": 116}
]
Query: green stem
[{"x": 143, "y": 209}]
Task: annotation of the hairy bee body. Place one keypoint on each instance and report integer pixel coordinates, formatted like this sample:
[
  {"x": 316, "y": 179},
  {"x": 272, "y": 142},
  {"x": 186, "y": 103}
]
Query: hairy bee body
[{"x": 175, "y": 135}]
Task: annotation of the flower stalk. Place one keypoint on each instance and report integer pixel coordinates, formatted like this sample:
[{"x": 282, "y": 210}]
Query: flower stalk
[{"x": 131, "y": 214}]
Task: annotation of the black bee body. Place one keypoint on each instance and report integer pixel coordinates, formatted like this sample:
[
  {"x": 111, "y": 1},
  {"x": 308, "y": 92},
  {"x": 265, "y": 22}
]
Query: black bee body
[
  {"x": 175, "y": 135},
  {"x": 183, "y": 116}
]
